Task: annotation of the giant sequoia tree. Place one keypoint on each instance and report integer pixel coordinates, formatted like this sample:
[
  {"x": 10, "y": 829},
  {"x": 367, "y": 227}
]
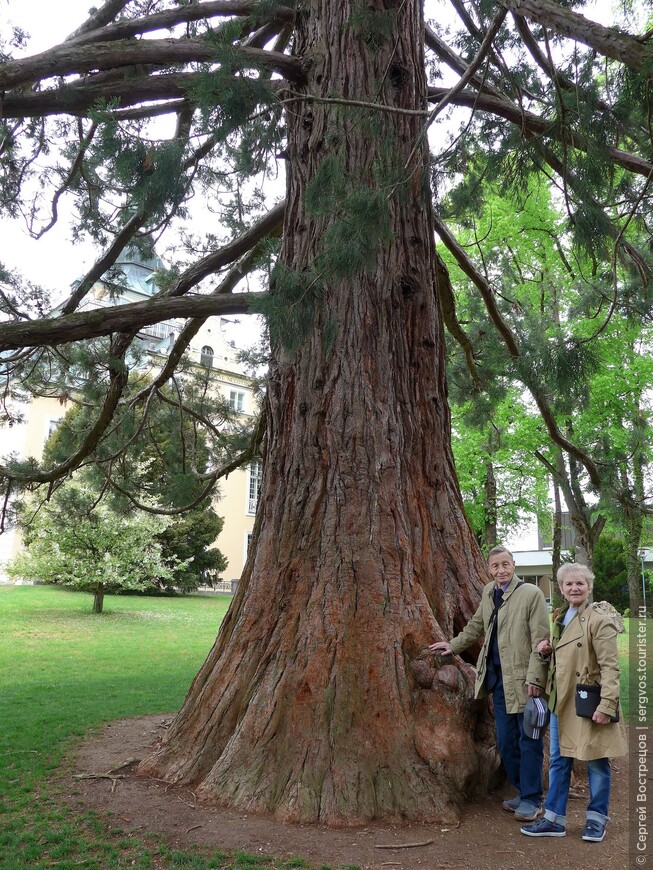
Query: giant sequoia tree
[{"x": 315, "y": 702}]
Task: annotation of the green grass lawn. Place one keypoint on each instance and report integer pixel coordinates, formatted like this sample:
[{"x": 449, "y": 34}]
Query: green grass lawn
[{"x": 64, "y": 670}]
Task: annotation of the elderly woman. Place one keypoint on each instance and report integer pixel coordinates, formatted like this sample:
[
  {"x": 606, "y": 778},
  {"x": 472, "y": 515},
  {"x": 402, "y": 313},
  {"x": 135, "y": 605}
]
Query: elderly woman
[{"x": 584, "y": 648}]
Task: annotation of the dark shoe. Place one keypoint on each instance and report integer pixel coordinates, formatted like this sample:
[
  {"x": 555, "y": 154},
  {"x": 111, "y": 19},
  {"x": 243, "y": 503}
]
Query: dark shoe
[
  {"x": 594, "y": 831},
  {"x": 544, "y": 828},
  {"x": 527, "y": 811},
  {"x": 511, "y": 805}
]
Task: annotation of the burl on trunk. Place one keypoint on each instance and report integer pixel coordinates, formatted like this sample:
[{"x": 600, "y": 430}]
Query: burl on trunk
[{"x": 316, "y": 703}]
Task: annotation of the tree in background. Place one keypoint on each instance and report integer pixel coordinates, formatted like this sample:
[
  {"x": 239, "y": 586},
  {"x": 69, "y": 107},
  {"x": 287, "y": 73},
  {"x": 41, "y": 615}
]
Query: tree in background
[
  {"x": 74, "y": 541},
  {"x": 158, "y": 463},
  {"x": 493, "y": 445},
  {"x": 621, "y": 434},
  {"x": 189, "y": 541},
  {"x": 315, "y": 703},
  {"x": 611, "y": 576},
  {"x": 591, "y": 367}
]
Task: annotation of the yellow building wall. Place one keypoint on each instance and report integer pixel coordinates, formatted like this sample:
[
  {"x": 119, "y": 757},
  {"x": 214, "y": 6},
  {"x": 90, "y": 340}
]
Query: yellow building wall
[
  {"x": 42, "y": 415},
  {"x": 28, "y": 439},
  {"x": 232, "y": 505}
]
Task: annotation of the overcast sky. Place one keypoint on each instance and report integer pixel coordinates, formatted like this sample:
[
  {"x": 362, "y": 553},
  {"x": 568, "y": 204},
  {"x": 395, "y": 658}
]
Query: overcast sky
[{"x": 53, "y": 261}]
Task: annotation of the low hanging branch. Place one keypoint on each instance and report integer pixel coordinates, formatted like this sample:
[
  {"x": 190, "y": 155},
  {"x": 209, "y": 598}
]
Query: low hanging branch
[
  {"x": 250, "y": 452},
  {"x": 118, "y": 318},
  {"x": 168, "y": 304},
  {"x": 118, "y": 379}
]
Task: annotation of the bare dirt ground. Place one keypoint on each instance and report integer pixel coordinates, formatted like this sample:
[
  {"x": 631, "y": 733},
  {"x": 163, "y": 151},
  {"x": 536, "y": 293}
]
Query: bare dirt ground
[{"x": 486, "y": 838}]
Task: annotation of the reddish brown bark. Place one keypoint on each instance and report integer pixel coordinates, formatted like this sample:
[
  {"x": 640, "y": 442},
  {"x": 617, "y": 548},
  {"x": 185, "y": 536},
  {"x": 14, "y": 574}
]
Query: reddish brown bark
[{"x": 315, "y": 703}]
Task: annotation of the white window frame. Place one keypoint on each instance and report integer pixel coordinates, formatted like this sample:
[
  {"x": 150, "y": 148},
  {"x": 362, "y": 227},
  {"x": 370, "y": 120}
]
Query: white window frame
[
  {"x": 237, "y": 400},
  {"x": 206, "y": 356},
  {"x": 52, "y": 424},
  {"x": 254, "y": 478}
]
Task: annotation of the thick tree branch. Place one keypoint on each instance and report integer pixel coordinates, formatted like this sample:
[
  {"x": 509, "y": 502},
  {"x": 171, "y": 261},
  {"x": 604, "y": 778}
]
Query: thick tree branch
[
  {"x": 67, "y": 60},
  {"x": 77, "y": 99},
  {"x": 629, "y": 50},
  {"x": 532, "y": 125},
  {"x": 100, "y": 17},
  {"x": 180, "y": 15},
  {"x": 268, "y": 225},
  {"x": 104, "y": 321},
  {"x": 89, "y": 324}
]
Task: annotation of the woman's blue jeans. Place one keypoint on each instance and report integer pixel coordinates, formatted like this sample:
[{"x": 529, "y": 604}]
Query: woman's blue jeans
[{"x": 560, "y": 766}]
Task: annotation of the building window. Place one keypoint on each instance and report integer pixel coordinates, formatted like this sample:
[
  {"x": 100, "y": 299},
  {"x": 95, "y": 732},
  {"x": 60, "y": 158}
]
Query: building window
[
  {"x": 254, "y": 487},
  {"x": 52, "y": 425},
  {"x": 237, "y": 400},
  {"x": 206, "y": 356},
  {"x": 248, "y": 542}
]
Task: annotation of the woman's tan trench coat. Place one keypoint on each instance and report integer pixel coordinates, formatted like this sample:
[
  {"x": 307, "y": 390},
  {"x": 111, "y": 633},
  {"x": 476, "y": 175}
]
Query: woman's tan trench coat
[{"x": 587, "y": 653}]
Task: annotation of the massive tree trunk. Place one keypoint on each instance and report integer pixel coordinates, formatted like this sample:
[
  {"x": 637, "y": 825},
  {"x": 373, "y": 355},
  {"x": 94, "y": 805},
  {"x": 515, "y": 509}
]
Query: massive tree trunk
[{"x": 317, "y": 702}]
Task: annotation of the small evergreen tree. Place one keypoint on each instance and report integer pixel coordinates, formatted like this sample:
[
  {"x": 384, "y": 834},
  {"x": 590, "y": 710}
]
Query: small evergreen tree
[
  {"x": 610, "y": 572},
  {"x": 158, "y": 471},
  {"x": 189, "y": 540}
]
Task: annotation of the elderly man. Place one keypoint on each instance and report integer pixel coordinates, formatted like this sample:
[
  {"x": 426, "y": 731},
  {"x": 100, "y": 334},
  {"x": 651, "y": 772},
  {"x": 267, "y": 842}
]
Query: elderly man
[{"x": 513, "y": 619}]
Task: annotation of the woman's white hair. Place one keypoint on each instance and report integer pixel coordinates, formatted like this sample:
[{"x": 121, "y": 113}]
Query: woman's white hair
[{"x": 575, "y": 569}]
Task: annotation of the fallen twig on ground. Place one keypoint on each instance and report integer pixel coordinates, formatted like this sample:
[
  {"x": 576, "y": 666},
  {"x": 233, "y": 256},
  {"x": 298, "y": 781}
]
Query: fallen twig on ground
[{"x": 402, "y": 845}]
